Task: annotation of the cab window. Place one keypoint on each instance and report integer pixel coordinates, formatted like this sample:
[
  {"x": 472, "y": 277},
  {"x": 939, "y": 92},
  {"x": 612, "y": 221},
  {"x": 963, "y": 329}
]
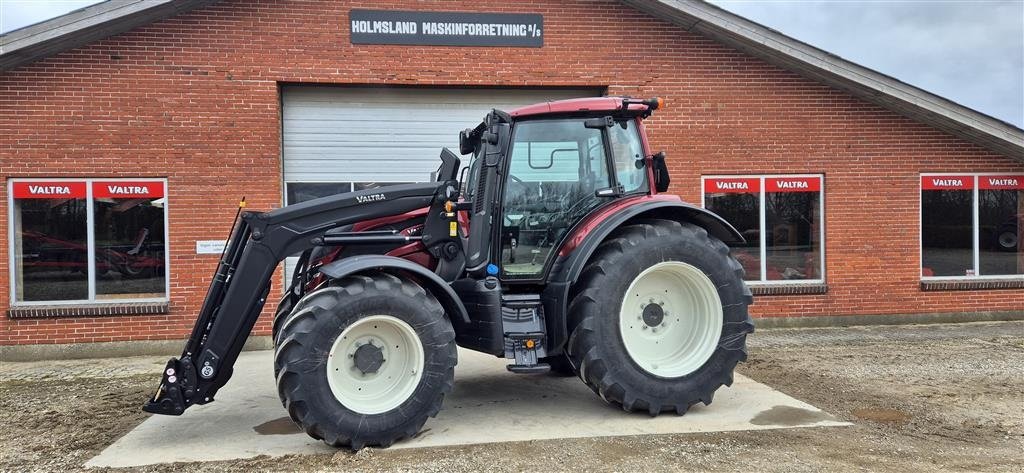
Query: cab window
[
  {"x": 628, "y": 152},
  {"x": 555, "y": 169}
]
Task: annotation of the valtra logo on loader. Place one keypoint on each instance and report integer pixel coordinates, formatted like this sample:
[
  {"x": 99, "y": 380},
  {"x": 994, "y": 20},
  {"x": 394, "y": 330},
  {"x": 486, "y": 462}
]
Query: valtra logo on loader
[{"x": 552, "y": 248}]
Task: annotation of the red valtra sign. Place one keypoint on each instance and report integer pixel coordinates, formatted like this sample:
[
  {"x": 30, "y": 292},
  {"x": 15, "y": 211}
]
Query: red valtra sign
[
  {"x": 128, "y": 190},
  {"x": 792, "y": 184},
  {"x": 1014, "y": 182},
  {"x": 49, "y": 190},
  {"x": 732, "y": 185},
  {"x": 947, "y": 183}
]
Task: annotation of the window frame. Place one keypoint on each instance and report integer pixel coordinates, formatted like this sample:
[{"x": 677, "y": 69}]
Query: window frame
[
  {"x": 90, "y": 242},
  {"x": 975, "y": 222},
  {"x": 762, "y": 218}
]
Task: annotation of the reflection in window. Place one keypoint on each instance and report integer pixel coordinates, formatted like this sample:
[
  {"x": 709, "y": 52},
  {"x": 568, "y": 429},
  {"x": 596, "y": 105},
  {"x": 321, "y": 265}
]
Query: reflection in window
[
  {"x": 50, "y": 252},
  {"x": 952, "y": 244},
  {"x": 129, "y": 236},
  {"x": 628, "y": 152},
  {"x": 946, "y": 241},
  {"x": 788, "y": 246},
  {"x": 57, "y": 259},
  {"x": 1000, "y": 214},
  {"x": 555, "y": 170},
  {"x": 792, "y": 223},
  {"x": 738, "y": 202}
]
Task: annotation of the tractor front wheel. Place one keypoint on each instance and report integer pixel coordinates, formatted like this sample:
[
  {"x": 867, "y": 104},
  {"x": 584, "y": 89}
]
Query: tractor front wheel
[
  {"x": 660, "y": 318},
  {"x": 365, "y": 361}
]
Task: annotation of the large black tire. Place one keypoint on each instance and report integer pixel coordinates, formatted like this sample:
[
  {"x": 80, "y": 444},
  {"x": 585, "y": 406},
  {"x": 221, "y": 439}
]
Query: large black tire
[
  {"x": 596, "y": 344},
  {"x": 308, "y": 335}
]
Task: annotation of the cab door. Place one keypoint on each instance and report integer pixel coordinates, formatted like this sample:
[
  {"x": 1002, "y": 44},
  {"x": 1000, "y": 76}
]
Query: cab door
[{"x": 554, "y": 172}]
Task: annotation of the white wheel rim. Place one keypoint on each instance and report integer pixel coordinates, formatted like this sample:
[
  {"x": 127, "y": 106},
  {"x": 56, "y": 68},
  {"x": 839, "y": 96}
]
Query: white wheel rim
[
  {"x": 390, "y": 384},
  {"x": 687, "y": 333}
]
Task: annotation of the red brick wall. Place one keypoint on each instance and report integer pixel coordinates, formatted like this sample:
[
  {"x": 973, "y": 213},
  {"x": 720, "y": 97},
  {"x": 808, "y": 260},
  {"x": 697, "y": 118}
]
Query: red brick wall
[{"x": 194, "y": 99}]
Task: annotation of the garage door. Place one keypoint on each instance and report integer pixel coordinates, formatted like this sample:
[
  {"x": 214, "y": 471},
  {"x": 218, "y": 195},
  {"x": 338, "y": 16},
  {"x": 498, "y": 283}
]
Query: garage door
[
  {"x": 344, "y": 138},
  {"x": 339, "y": 139}
]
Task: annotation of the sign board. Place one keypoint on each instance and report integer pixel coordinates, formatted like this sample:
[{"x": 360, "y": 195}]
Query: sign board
[
  {"x": 1007, "y": 182},
  {"x": 792, "y": 184},
  {"x": 209, "y": 247},
  {"x": 947, "y": 183},
  {"x": 732, "y": 185},
  {"x": 122, "y": 189},
  {"x": 49, "y": 190},
  {"x": 523, "y": 30}
]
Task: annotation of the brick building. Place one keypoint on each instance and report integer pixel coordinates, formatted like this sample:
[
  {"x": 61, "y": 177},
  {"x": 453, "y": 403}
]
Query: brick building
[{"x": 130, "y": 130}]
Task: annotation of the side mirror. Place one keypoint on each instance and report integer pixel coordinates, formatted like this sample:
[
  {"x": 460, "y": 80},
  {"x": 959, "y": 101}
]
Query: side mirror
[
  {"x": 449, "y": 166},
  {"x": 466, "y": 144},
  {"x": 661, "y": 177}
]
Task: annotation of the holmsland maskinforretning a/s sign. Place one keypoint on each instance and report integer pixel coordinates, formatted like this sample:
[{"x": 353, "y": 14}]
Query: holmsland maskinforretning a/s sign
[{"x": 523, "y": 30}]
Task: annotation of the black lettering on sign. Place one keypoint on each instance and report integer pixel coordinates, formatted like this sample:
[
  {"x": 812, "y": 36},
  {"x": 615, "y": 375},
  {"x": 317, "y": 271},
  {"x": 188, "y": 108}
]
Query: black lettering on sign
[{"x": 524, "y": 30}]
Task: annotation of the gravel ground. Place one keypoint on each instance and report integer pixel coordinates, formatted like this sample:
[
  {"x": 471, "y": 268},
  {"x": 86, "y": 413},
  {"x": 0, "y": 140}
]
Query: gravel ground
[{"x": 923, "y": 398}]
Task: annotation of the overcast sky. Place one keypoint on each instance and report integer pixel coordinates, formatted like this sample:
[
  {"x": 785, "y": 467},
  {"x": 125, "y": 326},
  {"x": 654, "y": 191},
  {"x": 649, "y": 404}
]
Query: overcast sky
[{"x": 970, "y": 51}]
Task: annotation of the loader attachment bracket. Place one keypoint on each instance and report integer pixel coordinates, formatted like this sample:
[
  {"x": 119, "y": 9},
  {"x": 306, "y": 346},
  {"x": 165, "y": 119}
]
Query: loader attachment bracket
[{"x": 168, "y": 399}]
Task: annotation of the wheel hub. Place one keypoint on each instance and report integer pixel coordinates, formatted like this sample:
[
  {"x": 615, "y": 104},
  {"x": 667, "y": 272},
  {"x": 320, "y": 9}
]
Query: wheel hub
[
  {"x": 375, "y": 364},
  {"x": 368, "y": 358},
  {"x": 671, "y": 318},
  {"x": 653, "y": 315}
]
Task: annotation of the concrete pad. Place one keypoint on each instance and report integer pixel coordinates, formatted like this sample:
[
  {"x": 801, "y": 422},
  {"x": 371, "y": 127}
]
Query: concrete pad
[{"x": 487, "y": 405}]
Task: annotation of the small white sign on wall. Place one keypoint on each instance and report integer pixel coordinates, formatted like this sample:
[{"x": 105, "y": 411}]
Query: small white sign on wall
[{"x": 209, "y": 247}]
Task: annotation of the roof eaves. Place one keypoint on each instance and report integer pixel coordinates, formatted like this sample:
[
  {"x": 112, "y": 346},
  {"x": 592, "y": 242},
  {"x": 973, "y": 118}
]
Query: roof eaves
[
  {"x": 816, "y": 64},
  {"x": 83, "y": 26}
]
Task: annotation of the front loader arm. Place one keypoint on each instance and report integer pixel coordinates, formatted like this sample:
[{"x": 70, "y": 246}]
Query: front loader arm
[{"x": 242, "y": 281}]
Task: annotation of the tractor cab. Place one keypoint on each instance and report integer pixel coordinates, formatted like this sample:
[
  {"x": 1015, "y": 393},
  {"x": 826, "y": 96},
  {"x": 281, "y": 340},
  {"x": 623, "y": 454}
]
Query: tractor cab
[{"x": 547, "y": 167}]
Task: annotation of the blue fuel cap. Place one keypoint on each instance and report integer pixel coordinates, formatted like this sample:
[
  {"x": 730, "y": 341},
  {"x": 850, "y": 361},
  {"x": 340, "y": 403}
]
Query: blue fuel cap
[{"x": 492, "y": 269}]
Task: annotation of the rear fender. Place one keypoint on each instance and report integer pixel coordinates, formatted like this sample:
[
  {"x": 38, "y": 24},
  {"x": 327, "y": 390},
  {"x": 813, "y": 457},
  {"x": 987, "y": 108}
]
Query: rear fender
[
  {"x": 402, "y": 268},
  {"x": 569, "y": 267}
]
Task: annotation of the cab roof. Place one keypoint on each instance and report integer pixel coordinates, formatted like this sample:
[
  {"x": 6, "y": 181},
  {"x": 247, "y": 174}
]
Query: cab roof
[{"x": 588, "y": 104}]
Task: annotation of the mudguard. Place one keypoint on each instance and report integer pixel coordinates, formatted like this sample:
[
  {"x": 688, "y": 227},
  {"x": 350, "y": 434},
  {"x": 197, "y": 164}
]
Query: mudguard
[
  {"x": 677, "y": 210},
  {"x": 401, "y": 267},
  {"x": 567, "y": 269}
]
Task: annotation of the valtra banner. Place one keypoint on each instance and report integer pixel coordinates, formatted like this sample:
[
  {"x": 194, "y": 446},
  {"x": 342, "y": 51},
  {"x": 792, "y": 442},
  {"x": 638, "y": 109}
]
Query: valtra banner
[
  {"x": 1007, "y": 182},
  {"x": 49, "y": 190},
  {"x": 947, "y": 183},
  {"x": 128, "y": 189},
  {"x": 792, "y": 184},
  {"x": 732, "y": 185}
]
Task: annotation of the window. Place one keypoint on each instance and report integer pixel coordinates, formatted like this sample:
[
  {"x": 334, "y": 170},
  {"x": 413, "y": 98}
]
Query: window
[
  {"x": 555, "y": 169},
  {"x": 628, "y": 152},
  {"x": 780, "y": 218},
  {"x": 970, "y": 225},
  {"x": 88, "y": 241}
]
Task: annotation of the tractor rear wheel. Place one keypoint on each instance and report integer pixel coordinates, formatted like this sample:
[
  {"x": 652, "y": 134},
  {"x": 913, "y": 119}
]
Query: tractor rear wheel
[
  {"x": 660, "y": 317},
  {"x": 365, "y": 361}
]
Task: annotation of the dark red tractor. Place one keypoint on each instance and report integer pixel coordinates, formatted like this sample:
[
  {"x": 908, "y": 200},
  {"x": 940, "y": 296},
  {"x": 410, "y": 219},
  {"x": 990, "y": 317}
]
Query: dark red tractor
[{"x": 553, "y": 248}]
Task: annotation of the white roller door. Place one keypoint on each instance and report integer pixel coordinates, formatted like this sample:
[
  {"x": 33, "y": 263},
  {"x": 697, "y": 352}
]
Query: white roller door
[
  {"x": 360, "y": 137},
  {"x": 337, "y": 139}
]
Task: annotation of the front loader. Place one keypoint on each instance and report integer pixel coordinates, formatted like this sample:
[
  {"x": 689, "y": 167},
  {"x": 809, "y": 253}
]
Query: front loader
[{"x": 554, "y": 248}]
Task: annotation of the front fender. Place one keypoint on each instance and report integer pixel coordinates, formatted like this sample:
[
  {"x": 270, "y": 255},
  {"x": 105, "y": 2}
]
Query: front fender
[
  {"x": 402, "y": 268},
  {"x": 568, "y": 268},
  {"x": 572, "y": 265}
]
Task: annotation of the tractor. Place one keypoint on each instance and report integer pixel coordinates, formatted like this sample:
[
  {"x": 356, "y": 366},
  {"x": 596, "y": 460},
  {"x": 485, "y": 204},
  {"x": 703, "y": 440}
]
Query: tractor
[{"x": 556, "y": 248}]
